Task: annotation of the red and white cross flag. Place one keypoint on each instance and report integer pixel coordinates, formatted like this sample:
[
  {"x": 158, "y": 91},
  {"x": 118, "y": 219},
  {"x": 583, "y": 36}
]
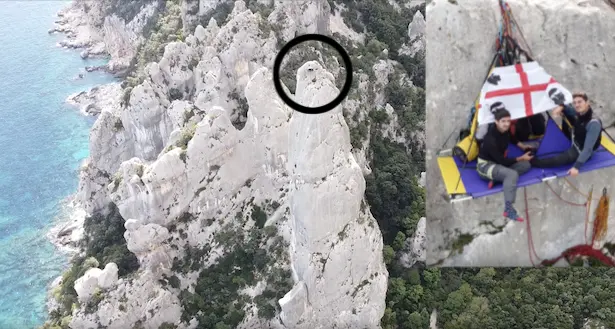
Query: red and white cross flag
[{"x": 524, "y": 89}]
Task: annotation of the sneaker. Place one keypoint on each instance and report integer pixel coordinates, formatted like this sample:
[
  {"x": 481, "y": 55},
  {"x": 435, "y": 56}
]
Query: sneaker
[
  {"x": 511, "y": 213},
  {"x": 512, "y": 216}
]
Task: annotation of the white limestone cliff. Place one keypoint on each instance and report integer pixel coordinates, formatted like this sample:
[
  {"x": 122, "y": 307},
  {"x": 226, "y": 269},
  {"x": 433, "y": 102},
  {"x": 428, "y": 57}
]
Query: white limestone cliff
[
  {"x": 88, "y": 27},
  {"x": 416, "y": 36},
  {"x": 327, "y": 184},
  {"x": 416, "y": 246},
  {"x": 90, "y": 102},
  {"x": 180, "y": 172},
  {"x": 557, "y": 33},
  {"x": 356, "y": 276},
  {"x": 96, "y": 278}
]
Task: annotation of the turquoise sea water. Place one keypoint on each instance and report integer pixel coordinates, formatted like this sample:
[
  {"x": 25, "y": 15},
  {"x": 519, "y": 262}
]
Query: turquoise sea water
[{"x": 42, "y": 143}]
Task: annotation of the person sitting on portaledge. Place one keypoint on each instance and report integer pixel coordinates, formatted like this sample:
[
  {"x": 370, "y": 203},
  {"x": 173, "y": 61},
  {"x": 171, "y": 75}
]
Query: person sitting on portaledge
[
  {"x": 522, "y": 129},
  {"x": 585, "y": 134},
  {"x": 494, "y": 165}
]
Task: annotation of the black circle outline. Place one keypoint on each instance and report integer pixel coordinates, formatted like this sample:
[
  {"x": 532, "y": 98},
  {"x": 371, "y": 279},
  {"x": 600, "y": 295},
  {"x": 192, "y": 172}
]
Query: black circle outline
[{"x": 278, "y": 63}]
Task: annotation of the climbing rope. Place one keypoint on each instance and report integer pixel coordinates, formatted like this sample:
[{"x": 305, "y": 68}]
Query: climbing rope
[
  {"x": 601, "y": 219},
  {"x": 581, "y": 250},
  {"x": 577, "y": 189},
  {"x": 506, "y": 45},
  {"x": 598, "y": 232},
  {"x": 508, "y": 52},
  {"x": 530, "y": 240},
  {"x": 587, "y": 211},
  {"x": 506, "y": 56},
  {"x": 562, "y": 199},
  {"x": 514, "y": 20}
]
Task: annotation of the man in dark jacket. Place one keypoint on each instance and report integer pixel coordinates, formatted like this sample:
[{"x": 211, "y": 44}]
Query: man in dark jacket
[
  {"x": 584, "y": 130},
  {"x": 494, "y": 164}
]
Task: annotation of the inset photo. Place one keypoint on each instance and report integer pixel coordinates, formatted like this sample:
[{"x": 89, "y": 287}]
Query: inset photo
[{"x": 520, "y": 115}]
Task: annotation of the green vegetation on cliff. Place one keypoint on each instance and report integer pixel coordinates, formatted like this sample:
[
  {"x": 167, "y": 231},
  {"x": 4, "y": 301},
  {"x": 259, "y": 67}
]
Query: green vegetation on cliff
[
  {"x": 382, "y": 22},
  {"x": 500, "y": 298},
  {"x": 167, "y": 28},
  {"x": 103, "y": 243},
  {"x": 258, "y": 255},
  {"x": 395, "y": 198},
  {"x": 464, "y": 298},
  {"x": 126, "y": 10}
]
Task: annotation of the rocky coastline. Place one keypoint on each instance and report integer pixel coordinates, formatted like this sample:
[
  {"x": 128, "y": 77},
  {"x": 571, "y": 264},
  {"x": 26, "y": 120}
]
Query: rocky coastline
[{"x": 162, "y": 175}]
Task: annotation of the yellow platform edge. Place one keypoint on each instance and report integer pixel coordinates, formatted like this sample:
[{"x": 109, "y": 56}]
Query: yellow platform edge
[
  {"x": 608, "y": 144},
  {"x": 450, "y": 175}
]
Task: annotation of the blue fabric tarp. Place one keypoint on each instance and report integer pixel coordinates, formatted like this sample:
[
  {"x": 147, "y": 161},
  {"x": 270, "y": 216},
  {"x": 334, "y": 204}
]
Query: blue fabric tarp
[{"x": 553, "y": 142}]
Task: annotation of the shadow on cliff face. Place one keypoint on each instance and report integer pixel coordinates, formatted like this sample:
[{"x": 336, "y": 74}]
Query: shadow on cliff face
[{"x": 473, "y": 232}]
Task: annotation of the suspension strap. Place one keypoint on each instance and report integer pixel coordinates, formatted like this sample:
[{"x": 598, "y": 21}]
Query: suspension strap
[
  {"x": 586, "y": 249},
  {"x": 563, "y": 200},
  {"x": 530, "y": 240},
  {"x": 587, "y": 212}
]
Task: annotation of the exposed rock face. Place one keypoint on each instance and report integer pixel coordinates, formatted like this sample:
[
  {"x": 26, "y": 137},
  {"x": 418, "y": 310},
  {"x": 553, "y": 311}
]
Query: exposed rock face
[
  {"x": 68, "y": 234},
  {"x": 295, "y": 17},
  {"x": 316, "y": 182},
  {"x": 391, "y": 130},
  {"x": 145, "y": 241},
  {"x": 170, "y": 184},
  {"x": 414, "y": 3},
  {"x": 337, "y": 25},
  {"x": 173, "y": 158},
  {"x": 96, "y": 278},
  {"x": 416, "y": 34},
  {"x": 194, "y": 10},
  {"x": 90, "y": 102},
  {"x": 416, "y": 246},
  {"x": 416, "y": 28},
  {"x": 154, "y": 303},
  {"x": 301, "y": 17},
  {"x": 594, "y": 324},
  {"x": 88, "y": 26},
  {"x": 459, "y": 60},
  {"x": 227, "y": 59}
]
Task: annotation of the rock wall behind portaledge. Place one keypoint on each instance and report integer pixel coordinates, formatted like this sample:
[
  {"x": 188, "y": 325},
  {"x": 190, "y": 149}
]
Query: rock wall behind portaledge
[{"x": 574, "y": 41}]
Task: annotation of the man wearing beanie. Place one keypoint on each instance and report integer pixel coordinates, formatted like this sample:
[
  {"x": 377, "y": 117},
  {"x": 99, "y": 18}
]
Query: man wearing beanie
[{"x": 493, "y": 163}]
